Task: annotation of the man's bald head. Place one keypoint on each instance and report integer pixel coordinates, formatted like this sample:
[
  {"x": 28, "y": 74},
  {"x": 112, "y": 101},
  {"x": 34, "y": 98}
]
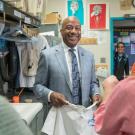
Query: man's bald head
[{"x": 69, "y": 19}]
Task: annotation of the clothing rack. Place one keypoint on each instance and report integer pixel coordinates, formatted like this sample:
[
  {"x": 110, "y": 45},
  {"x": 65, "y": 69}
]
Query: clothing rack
[
  {"x": 27, "y": 26},
  {"x": 11, "y": 13}
]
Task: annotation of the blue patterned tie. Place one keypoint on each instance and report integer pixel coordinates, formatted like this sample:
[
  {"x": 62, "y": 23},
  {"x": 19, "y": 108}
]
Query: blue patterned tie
[{"x": 75, "y": 79}]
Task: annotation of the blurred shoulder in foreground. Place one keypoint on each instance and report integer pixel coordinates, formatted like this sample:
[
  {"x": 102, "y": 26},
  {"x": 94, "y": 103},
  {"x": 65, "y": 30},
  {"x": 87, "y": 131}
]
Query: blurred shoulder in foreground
[{"x": 10, "y": 121}]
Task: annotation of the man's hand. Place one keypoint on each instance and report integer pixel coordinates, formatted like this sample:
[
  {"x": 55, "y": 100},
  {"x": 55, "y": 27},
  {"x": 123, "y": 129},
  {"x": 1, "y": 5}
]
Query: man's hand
[
  {"x": 58, "y": 99},
  {"x": 97, "y": 98}
]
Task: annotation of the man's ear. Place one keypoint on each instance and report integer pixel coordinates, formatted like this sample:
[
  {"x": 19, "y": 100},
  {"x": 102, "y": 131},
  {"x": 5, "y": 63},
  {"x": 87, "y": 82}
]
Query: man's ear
[{"x": 61, "y": 30}]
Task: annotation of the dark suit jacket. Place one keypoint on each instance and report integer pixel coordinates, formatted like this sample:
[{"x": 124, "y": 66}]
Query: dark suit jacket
[{"x": 121, "y": 66}]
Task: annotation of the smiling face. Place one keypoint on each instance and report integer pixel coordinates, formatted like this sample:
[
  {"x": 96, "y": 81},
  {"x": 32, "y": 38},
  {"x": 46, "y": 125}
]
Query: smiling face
[
  {"x": 71, "y": 31},
  {"x": 120, "y": 48}
]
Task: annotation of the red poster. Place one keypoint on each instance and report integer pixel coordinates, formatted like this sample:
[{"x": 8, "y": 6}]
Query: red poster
[{"x": 97, "y": 16}]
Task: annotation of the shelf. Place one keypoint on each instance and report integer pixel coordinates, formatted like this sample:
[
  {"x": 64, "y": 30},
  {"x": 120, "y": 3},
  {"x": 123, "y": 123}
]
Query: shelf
[
  {"x": 15, "y": 14},
  {"x": 50, "y": 27}
]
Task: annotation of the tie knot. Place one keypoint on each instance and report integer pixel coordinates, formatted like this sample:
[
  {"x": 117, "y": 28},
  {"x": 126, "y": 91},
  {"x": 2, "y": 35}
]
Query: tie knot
[{"x": 72, "y": 50}]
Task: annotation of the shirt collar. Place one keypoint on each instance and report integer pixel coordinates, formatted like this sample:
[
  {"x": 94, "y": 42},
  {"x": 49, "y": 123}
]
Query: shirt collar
[
  {"x": 66, "y": 48},
  {"x": 120, "y": 54}
]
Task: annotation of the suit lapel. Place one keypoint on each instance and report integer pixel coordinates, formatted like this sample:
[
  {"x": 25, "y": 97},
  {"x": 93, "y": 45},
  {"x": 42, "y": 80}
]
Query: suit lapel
[{"x": 60, "y": 55}]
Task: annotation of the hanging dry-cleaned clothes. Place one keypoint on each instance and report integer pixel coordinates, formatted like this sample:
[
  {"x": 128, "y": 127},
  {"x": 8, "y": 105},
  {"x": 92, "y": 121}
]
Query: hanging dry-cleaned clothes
[
  {"x": 35, "y": 6},
  {"x": 29, "y": 55},
  {"x": 53, "y": 40},
  {"x": 24, "y": 81},
  {"x": 9, "y": 66}
]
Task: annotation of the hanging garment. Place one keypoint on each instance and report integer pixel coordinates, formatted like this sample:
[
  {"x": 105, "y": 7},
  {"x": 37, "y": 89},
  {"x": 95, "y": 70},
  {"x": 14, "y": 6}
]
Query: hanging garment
[
  {"x": 53, "y": 40},
  {"x": 32, "y": 6},
  {"x": 14, "y": 34},
  {"x": 70, "y": 120},
  {"x": 24, "y": 81},
  {"x": 2, "y": 25},
  {"x": 35, "y": 6},
  {"x": 1, "y": 86},
  {"x": 9, "y": 62},
  {"x": 38, "y": 42},
  {"x": 41, "y": 42},
  {"x": 40, "y": 4},
  {"x": 24, "y": 5},
  {"x": 30, "y": 57}
]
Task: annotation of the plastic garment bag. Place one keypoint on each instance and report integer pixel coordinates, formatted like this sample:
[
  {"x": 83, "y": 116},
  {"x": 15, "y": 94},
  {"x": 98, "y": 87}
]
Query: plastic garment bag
[{"x": 70, "y": 120}]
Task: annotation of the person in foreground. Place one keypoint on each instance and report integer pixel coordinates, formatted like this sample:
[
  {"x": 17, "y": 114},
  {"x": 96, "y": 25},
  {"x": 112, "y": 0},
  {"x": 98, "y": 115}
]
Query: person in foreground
[
  {"x": 10, "y": 121},
  {"x": 115, "y": 115},
  {"x": 67, "y": 72}
]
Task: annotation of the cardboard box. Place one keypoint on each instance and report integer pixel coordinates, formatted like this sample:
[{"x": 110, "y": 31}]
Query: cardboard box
[{"x": 52, "y": 18}]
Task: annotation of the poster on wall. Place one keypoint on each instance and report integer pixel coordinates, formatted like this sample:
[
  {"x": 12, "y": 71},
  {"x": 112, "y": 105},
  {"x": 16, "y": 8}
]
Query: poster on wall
[
  {"x": 75, "y": 8},
  {"x": 98, "y": 16}
]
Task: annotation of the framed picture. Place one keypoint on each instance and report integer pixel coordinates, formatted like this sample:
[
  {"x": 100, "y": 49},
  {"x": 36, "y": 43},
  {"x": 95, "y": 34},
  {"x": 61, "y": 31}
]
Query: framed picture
[
  {"x": 75, "y": 8},
  {"x": 99, "y": 16}
]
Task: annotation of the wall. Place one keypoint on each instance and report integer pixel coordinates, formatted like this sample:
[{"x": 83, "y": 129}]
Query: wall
[
  {"x": 57, "y": 6},
  {"x": 102, "y": 50}
]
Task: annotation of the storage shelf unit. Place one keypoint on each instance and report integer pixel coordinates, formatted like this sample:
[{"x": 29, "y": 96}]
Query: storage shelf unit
[
  {"x": 50, "y": 27},
  {"x": 14, "y": 14}
]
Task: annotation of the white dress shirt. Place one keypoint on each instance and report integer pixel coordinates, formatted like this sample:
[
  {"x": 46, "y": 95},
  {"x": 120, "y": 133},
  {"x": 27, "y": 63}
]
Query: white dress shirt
[{"x": 69, "y": 59}]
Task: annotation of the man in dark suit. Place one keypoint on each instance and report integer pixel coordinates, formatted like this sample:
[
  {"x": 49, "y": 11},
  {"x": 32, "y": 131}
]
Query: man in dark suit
[
  {"x": 54, "y": 80},
  {"x": 121, "y": 63}
]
